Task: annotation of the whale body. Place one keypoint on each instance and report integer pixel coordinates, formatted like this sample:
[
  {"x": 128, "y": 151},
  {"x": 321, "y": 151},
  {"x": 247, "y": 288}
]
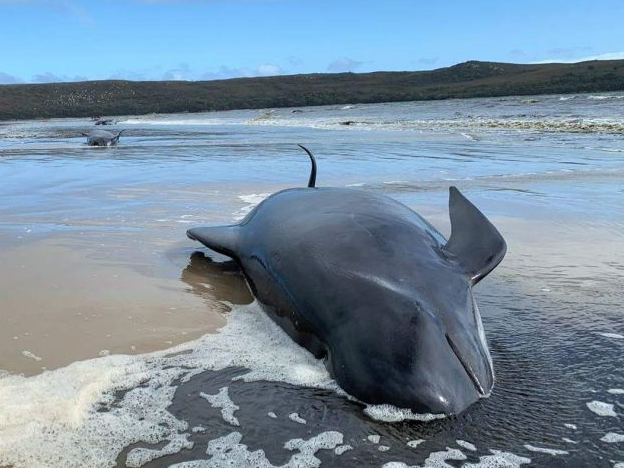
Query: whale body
[
  {"x": 102, "y": 138},
  {"x": 367, "y": 284}
]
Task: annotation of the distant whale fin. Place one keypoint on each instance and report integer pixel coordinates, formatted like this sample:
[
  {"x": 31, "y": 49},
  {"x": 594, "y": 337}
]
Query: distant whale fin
[
  {"x": 312, "y": 180},
  {"x": 223, "y": 239},
  {"x": 475, "y": 243}
]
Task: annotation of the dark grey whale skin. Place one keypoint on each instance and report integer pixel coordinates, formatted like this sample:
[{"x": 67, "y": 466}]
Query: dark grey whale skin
[
  {"x": 365, "y": 282},
  {"x": 102, "y": 138}
]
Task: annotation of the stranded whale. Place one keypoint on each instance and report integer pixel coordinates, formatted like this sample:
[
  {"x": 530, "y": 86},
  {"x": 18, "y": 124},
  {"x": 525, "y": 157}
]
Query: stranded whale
[
  {"x": 363, "y": 281},
  {"x": 102, "y": 138}
]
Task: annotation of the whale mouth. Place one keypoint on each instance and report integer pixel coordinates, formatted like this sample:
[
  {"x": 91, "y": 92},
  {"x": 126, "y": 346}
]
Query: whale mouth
[{"x": 467, "y": 367}]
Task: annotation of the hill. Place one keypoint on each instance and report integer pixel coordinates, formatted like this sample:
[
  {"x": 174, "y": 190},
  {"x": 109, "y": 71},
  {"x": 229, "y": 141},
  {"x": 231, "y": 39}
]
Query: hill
[{"x": 465, "y": 80}]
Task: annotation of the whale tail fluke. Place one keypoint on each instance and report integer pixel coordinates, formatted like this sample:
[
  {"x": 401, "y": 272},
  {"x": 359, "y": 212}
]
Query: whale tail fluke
[
  {"x": 475, "y": 243},
  {"x": 312, "y": 180}
]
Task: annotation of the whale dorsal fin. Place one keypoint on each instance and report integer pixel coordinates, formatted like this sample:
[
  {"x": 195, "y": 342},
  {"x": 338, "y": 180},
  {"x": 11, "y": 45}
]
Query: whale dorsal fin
[
  {"x": 475, "y": 243},
  {"x": 222, "y": 239},
  {"x": 312, "y": 179},
  {"x": 116, "y": 139}
]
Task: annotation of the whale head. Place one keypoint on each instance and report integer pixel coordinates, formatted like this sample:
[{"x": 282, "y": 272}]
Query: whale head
[
  {"x": 426, "y": 351},
  {"x": 426, "y": 348}
]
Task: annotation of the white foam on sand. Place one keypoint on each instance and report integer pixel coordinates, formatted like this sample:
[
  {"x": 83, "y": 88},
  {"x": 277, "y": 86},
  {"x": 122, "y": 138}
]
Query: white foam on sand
[
  {"x": 222, "y": 400},
  {"x": 434, "y": 460},
  {"x": 140, "y": 456},
  {"x": 30, "y": 355},
  {"x": 75, "y": 424},
  {"x": 497, "y": 459},
  {"x": 549, "y": 451},
  {"x": 612, "y": 437},
  {"x": 389, "y": 413},
  {"x": 601, "y": 408},
  {"x": 229, "y": 452},
  {"x": 466, "y": 445},
  {"x": 342, "y": 449},
  {"x": 296, "y": 418}
]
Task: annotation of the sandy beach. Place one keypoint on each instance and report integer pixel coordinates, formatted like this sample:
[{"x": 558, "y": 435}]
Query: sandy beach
[{"x": 95, "y": 267}]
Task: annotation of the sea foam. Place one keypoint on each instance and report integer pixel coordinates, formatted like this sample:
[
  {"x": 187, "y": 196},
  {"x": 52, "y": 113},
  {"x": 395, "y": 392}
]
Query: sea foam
[
  {"x": 75, "y": 424},
  {"x": 78, "y": 419}
]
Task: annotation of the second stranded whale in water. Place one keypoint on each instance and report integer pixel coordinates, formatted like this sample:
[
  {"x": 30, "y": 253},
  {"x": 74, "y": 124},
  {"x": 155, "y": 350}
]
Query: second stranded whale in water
[
  {"x": 102, "y": 138},
  {"x": 365, "y": 282}
]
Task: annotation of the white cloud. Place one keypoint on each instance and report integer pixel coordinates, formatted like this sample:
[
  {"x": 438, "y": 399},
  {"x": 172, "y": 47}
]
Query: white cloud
[
  {"x": 267, "y": 69},
  {"x": 5, "y": 78},
  {"x": 608, "y": 56},
  {"x": 343, "y": 64},
  {"x": 222, "y": 73},
  {"x": 48, "y": 77},
  {"x": 183, "y": 72},
  {"x": 142, "y": 74}
]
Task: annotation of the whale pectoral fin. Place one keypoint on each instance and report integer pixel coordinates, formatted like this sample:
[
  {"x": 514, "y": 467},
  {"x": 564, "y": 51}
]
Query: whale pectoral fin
[
  {"x": 223, "y": 239},
  {"x": 475, "y": 243}
]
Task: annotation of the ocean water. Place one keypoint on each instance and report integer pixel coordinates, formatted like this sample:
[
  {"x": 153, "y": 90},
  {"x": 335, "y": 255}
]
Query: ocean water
[{"x": 123, "y": 343}]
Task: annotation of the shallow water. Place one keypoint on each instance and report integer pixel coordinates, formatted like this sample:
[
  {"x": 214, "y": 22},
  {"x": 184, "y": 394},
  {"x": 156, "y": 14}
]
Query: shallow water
[{"x": 94, "y": 261}]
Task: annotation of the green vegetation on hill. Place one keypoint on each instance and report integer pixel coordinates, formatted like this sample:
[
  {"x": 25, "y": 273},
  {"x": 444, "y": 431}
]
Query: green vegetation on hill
[{"x": 465, "y": 80}]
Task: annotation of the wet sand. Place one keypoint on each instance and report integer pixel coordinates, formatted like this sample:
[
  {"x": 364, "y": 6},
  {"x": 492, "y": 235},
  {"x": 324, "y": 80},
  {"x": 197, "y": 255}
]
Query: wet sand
[{"x": 73, "y": 296}]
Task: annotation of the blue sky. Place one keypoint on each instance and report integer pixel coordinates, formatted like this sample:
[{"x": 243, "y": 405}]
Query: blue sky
[{"x": 64, "y": 40}]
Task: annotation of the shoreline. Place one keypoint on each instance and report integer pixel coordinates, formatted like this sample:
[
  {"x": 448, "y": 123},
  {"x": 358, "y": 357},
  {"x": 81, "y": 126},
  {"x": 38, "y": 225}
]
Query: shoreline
[
  {"x": 470, "y": 79},
  {"x": 169, "y": 294}
]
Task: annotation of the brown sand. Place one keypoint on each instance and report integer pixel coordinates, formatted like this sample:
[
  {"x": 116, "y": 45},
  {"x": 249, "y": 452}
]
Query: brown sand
[{"x": 74, "y": 296}]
